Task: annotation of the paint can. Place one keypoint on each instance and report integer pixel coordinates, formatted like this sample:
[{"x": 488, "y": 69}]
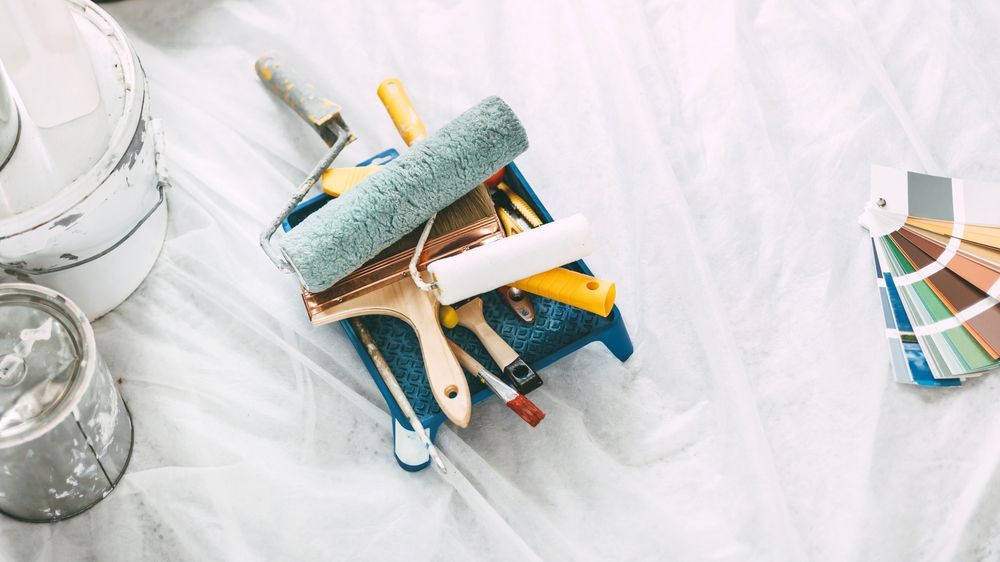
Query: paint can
[
  {"x": 97, "y": 237},
  {"x": 65, "y": 432}
]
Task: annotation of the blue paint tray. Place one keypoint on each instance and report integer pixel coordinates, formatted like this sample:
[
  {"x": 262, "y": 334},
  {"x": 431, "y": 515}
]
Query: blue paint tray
[{"x": 558, "y": 330}]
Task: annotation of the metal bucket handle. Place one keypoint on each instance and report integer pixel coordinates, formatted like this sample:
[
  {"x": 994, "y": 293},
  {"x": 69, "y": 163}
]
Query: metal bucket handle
[{"x": 162, "y": 183}]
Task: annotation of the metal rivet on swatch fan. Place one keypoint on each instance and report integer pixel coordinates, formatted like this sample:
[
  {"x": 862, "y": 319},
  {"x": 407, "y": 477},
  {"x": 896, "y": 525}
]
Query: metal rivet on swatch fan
[
  {"x": 12, "y": 369},
  {"x": 880, "y": 202}
]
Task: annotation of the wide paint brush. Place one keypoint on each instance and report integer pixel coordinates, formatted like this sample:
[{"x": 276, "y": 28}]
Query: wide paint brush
[{"x": 516, "y": 401}]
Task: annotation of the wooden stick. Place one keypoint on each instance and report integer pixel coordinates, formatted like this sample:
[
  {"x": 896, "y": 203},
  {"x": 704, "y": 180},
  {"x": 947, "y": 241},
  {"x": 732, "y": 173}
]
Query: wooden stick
[{"x": 397, "y": 391}]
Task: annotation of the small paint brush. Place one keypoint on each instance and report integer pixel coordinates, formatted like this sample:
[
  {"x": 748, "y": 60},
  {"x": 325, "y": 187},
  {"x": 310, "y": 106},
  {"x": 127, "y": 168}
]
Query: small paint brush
[
  {"x": 397, "y": 391},
  {"x": 516, "y": 401}
]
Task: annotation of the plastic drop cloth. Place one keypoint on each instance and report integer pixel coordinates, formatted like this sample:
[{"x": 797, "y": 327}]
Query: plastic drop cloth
[{"x": 722, "y": 148}]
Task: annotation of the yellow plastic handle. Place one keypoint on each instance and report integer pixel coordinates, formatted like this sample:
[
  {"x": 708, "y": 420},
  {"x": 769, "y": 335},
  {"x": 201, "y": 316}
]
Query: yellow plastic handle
[
  {"x": 401, "y": 111},
  {"x": 448, "y": 316},
  {"x": 572, "y": 288},
  {"x": 336, "y": 181}
]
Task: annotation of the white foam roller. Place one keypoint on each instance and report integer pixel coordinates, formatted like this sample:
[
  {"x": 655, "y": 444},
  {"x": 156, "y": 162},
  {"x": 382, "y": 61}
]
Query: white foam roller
[{"x": 487, "y": 267}]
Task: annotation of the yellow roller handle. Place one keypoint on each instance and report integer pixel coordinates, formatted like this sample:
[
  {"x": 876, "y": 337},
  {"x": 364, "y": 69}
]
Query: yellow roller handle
[
  {"x": 336, "y": 181},
  {"x": 401, "y": 111},
  {"x": 572, "y": 288}
]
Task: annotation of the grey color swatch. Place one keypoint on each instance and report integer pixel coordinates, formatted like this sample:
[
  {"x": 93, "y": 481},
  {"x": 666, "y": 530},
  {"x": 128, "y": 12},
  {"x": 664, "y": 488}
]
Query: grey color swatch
[{"x": 930, "y": 197}]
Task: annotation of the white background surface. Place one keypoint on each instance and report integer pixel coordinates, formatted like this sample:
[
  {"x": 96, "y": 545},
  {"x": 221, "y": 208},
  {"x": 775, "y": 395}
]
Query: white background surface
[{"x": 722, "y": 148}]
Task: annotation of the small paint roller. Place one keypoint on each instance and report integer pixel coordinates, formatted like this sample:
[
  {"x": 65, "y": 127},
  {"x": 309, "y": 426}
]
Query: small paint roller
[
  {"x": 506, "y": 261},
  {"x": 559, "y": 284}
]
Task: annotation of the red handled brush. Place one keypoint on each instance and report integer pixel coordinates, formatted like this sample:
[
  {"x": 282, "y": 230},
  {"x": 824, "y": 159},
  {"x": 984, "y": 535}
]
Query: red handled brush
[{"x": 516, "y": 401}]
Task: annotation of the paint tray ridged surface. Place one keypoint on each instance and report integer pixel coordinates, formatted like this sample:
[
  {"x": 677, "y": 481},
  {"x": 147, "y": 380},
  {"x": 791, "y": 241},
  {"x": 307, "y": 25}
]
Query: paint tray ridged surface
[
  {"x": 558, "y": 330},
  {"x": 936, "y": 246}
]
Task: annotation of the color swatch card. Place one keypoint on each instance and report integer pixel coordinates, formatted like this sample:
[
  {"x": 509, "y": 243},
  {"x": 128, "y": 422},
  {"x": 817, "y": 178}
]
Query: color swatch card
[
  {"x": 909, "y": 365},
  {"x": 936, "y": 244}
]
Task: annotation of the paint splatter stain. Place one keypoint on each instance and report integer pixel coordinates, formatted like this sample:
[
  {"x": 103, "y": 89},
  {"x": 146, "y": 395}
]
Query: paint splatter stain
[{"x": 68, "y": 220}]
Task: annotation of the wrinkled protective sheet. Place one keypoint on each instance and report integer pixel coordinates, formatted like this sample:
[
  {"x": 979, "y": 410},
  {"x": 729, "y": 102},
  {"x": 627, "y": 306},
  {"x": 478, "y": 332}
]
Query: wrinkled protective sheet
[{"x": 723, "y": 150}]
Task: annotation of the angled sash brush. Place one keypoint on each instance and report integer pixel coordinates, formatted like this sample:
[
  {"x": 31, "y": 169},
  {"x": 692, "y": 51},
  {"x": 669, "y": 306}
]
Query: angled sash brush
[{"x": 519, "y": 403}]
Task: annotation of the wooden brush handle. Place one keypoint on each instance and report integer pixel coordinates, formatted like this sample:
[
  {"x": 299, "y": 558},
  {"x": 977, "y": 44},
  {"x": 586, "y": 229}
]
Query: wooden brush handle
[
  {"x": 405, "y": 301},
  {"x": 467, "y": 361},
  {"x": 470, "y": 315},
  {"x": 447, "y": 381}
]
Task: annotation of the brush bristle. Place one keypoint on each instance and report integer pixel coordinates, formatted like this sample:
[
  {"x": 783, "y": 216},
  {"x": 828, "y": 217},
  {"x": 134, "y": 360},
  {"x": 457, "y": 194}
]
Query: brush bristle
[
  {"x": 526, "y": 409},
  {"x": 471, "y": 207}
]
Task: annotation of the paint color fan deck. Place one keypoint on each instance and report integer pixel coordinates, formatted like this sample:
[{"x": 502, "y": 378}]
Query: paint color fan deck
[{"x": 936, "y": 246}]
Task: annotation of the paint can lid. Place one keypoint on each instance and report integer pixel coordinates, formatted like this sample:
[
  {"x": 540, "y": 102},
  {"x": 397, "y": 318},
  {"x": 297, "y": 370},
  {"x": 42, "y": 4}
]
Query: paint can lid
[{"x": 46, "y": 356}]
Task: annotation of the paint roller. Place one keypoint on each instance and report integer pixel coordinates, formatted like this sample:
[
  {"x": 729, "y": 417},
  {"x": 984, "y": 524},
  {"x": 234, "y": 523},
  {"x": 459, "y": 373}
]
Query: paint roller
[
  {"x": 559, "y": 284},
  {"x": 396, "y": 296},
  {"x": 511, "y": 259},
  {"x": 400, "y": 196}
]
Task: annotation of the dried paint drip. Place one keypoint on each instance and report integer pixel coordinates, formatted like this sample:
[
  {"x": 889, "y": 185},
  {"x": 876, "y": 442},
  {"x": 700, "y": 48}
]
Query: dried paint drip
[
  {"x": 13, "y": 367},
  {"x": 29, "y": 336}
]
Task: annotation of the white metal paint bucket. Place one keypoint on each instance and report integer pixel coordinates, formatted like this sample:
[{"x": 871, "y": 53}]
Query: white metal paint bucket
[
  {"x": 97, "y": 238},
  {"x": 65, "y": 433}
]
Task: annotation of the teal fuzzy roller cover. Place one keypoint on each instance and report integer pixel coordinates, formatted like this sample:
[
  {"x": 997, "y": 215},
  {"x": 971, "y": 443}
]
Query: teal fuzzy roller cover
[{"x": 432, "y": 174}]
